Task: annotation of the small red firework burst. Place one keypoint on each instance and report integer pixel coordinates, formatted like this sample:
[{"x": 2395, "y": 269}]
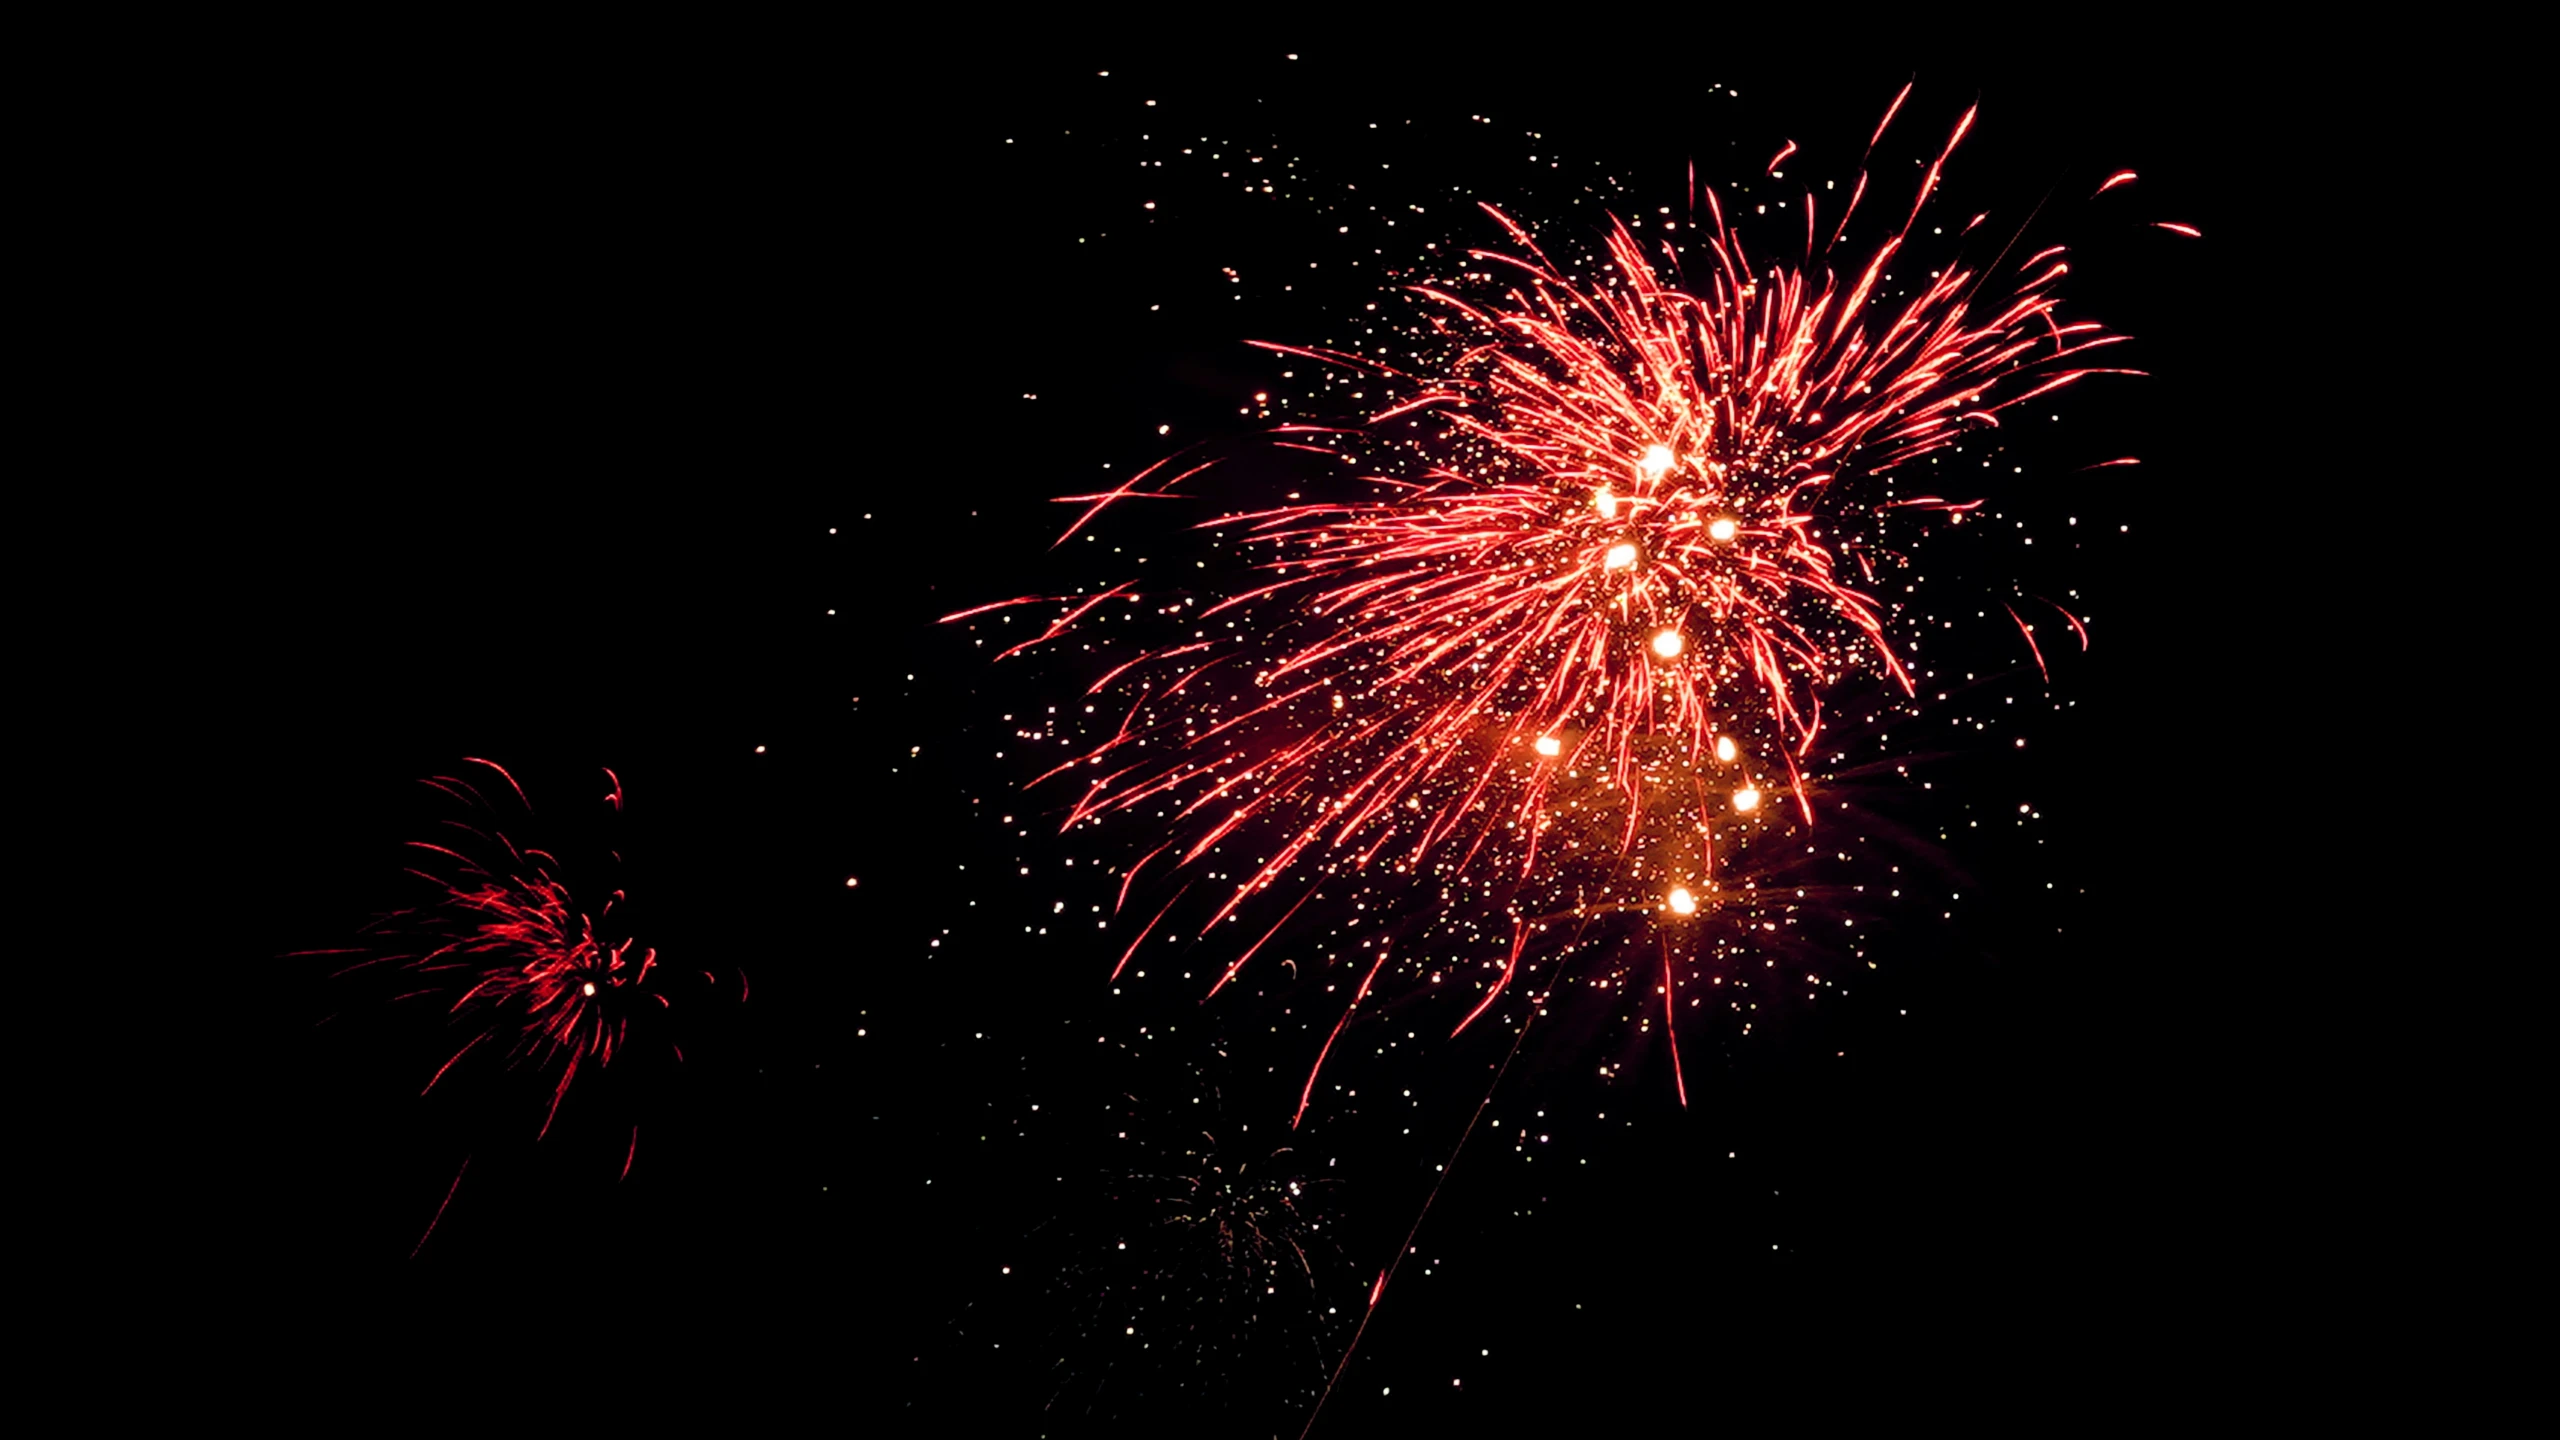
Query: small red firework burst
[{"x": 517, "y": 961}]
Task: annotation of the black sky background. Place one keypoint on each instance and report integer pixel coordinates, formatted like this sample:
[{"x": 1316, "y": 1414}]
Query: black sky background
[{"x": 530, "y": 389}]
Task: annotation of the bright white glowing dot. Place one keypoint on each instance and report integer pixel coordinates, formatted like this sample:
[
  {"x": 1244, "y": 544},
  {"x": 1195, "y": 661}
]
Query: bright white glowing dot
[
  {"x": 1550, "y": 745},
  {"x": 1746, "y": 799},
  {"x": 1620, "y": 556},
  {"x": 1724, "y": 748},
  {"x": 587, "y": 989},
  {"x": 1605, "y": 503},
  {"x": 1720, "y": 529},
  {"x": 1657, "y": 459},
  {"x": 1682, "y": 902},
  {"x": 1668, "y": 644}
]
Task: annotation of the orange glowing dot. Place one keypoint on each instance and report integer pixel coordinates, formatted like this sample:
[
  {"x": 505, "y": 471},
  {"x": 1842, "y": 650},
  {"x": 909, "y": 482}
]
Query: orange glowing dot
[
  {"x": 1668, "y": 644},
  {"x": 1720, "y": 529},
  {"x": 1620, "y": 556},
  {"x": 1746, "y": 799},
  {"x": 587, "y": 989},
  {"x": 1550, "y": 745},
  {"x": 1605, "y": 503},
  {"x": 1681, "y": 901},
  {"x": 1657, "y": 459},
  {"x": 1724, "y": 748}
]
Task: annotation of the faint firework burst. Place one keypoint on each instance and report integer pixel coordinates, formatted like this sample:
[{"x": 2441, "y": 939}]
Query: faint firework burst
[
  {"x": 1207, "y": 1275},
  {"x": 1567, "y": 649}
]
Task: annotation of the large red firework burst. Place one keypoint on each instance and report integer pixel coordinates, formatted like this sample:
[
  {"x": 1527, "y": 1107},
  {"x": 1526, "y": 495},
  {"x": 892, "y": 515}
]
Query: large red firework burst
[{"x": 1622, "y": 529}]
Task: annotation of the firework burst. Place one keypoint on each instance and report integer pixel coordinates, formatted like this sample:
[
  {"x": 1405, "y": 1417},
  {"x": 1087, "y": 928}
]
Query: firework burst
[
  {"x": 530, "y": 980},
  {"x": 1210, "y": 1268},
  {"x": 1602, "y": 571}
]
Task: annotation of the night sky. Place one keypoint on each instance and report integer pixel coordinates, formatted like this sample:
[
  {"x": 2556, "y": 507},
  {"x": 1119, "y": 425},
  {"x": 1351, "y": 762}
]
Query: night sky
[{"x": 590, "y": 411}]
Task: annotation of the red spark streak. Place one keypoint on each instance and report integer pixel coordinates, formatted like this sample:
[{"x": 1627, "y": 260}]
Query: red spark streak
[
  {"x": 2076, "y": 627},
  {"x": 1150, "y": 930},
  {"x": 1257, "y": 945},
  {"x": 1318, "y": 1068},
  {"x": 440, "y": 1208},
  {"x": 1671, "y": 1025},
  {"x": 1511, "y": 967},
  {"x": 2029, "y": 632}
]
